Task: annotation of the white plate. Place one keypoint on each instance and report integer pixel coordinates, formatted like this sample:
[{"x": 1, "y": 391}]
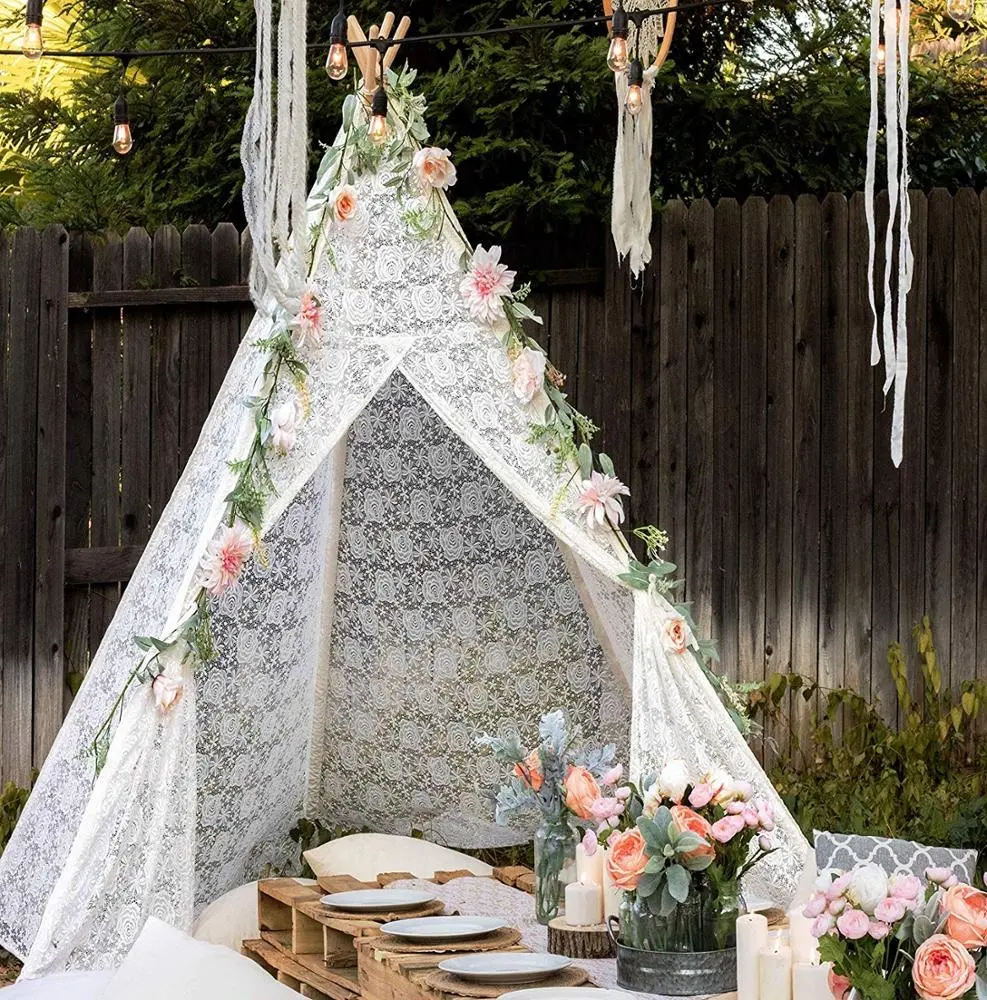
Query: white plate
[
  {"x": 565, "y": 993},
  {"x": 505, "y": 966},
  {"x": 442, "y": 928},
  {"x": 377, "y": 900}
]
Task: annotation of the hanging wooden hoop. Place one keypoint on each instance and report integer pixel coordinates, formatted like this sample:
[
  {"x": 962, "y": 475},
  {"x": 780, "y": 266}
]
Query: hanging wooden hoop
[{"x": 666, "y": 41}]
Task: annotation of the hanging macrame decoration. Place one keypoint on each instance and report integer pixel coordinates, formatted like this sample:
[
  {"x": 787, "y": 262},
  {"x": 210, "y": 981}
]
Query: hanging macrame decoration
[
  {"x": 274, "y": 153},
  {"x": 889, "y": 52},
  {"x": 638, "y": 48}
]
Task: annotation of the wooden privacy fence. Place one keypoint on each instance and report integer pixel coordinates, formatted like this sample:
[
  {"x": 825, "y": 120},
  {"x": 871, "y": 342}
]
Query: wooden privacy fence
[{"x": 733, "y": 388}]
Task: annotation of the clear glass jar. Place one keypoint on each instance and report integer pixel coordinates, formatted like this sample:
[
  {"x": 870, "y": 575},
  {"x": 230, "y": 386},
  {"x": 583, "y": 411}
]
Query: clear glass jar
[{"x": 555, "y": 867}]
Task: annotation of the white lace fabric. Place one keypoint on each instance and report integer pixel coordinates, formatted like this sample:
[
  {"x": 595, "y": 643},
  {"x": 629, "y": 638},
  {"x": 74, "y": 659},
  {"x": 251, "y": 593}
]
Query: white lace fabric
[{"x": 415, "y": 595}]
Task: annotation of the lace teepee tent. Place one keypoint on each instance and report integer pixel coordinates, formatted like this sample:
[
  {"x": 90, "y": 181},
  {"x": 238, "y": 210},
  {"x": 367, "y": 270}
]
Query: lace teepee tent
[{"x": 425, "y": 576}]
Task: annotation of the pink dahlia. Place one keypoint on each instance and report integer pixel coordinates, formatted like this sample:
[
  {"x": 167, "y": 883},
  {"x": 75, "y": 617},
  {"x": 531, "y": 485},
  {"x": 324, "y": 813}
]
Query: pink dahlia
[
  {"x": 225, "y": 556},
  {"x": 485, "y": 285},
  {"x": 599, "y": 499},
  {"x": 308, "y": 322}
]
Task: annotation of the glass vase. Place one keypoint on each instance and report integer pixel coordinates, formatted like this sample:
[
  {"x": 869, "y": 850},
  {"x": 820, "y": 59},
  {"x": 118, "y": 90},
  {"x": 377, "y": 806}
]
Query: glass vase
[
  {"x": 555, "y": 867},
  {"x": 722, "y": 904},
  {"x": 681, "y": 930}
]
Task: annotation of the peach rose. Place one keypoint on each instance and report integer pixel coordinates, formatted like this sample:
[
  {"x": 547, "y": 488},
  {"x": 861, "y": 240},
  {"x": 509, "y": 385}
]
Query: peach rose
[
  {"x": 581, "y": 791},
  {"x": 967, "y": 920},
  {"x": 626, "y": 858},
  {"x": 677, "y": 634},
  {"x": 344, "y": 202},
  {"x": 943, "y": 969},
  {"x": 434, "y": 168},
  {"x": 167, "y": 690},
  {"x": 530, "y": 772},
  {"x": 686, "y": 819},
  {"x": 839, "y": 985}
]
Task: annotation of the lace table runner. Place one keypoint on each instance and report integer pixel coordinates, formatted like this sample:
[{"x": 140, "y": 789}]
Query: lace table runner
[{"x": 486, "y": 897}]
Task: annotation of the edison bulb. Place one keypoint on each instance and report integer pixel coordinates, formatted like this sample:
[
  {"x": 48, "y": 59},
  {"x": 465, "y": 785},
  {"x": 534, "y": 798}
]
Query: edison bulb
[
  {"x": 882, "y": 58},
  {"x": 336, "y": 62},
  {"x": 635, "y": 99},
  {"x": 617, "y": 57},
  {"x": 33, "y": 44},
  {"x": 379, "y": 132},
  {"x": 959, "y": 10},
  {"x": 123, "y": 140}
]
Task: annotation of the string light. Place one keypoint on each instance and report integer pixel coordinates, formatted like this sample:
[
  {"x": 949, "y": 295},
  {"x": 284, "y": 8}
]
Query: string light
[
  {"x": 33, "y": 45},
  {"x": 960, "y": 10},
  {"x": 379, "y": 132},
  {"x": 617, "y": 57},
  {"x": 635, "y": 93},
  {"x": 123, "y": 140},
  {"x": 336, "y": 62}
]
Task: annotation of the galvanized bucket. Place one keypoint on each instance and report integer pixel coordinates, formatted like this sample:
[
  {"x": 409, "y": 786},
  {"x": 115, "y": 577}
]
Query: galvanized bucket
[{"x": 674, "y": 973}]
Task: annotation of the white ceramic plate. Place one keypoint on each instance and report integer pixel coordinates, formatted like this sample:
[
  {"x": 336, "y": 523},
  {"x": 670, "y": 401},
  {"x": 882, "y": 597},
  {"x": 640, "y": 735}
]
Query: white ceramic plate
[
  {"x": 565, "y": 993},
  {"x": 505, "y": 966},
  {"x": 442, "y": 928},
  {"x": 377, "y": 900}
]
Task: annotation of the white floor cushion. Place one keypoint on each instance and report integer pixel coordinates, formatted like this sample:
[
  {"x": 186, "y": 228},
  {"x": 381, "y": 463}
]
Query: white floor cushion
[
  {"x": 165, "y": 964},
  {"x": 64, "y": 986},
  {"x": 232, "y": 918},
  {"x": 366, "y": 855}
]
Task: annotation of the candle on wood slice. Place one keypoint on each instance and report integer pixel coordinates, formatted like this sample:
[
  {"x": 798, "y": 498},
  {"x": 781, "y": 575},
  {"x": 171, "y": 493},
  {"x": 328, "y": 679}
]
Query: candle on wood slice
[
  {"x": 589, "y": 867},
  {"x": 805, "y": 947},
  {"x": 583, "y": 904},
  {"x": 775, "y": 973},
  {"x": 752, "y": 936},
  {"x": 612, "y": 896},
  {"x": 811, "y": 982}
]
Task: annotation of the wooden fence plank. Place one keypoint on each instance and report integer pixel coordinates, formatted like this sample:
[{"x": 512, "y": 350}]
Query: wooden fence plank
[
  {"x": 5, "y": 543},
  {"x": 78, "y": 460},
  {"x": 106, "y": 420},
  {"x": 608, "y": 359},
  {"x": 49, "y": 566},
  {"x": 938, "y": 423},
  {"x": 965, "y": 361},
  {"x": 20, "y": 458},
  {"x": 700, "y": 467},
  {"x": 565, "y": 332},
  {"x": 225, "y": 333},
  {"x": 673, "y": 353},
  {"x": 833, "y": 432},
  {"x": 166, "y": 354},
  {"x": 982, "y": 463},
  {"x": 135, "y": 469},
  {"x": 752, "y": 476},
  {"x": 780, "y": 389},
  {"x": 196, "y": 349}
]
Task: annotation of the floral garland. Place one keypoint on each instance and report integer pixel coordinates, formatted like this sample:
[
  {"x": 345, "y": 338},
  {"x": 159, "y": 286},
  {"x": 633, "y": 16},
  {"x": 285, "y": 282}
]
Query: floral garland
[{"x": 420, "y": 177}]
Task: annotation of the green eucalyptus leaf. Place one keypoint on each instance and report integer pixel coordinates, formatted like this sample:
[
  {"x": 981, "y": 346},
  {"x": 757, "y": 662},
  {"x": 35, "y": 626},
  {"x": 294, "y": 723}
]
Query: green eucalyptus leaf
[{"x": 678, "y": 882}]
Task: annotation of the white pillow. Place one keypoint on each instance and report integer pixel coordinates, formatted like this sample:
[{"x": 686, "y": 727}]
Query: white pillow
[
  {"x": 367, "y": 855},
  {"x": 63, "y": 986},
  {"x": 166, "y": 964},
  {"x": 232, "y": 919}
]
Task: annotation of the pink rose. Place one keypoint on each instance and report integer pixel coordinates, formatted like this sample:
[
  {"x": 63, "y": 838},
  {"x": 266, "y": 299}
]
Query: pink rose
[
  {"x": 590, "y": 843},
  {"x": 581, "y": 792},
  {"x": 433, "y": 168},
  {"x": 285, "y": 421},
  {"x": 725, "y": 829},
  {"x": 626, "y": 859},
  {"x": 906, "y": 887},
  {"x": 890, "y": 910},
  {"x": 528, "y": 375},
  {"x": 686, "y": 819},
  {"x": 838, "y": 886},
  {"x": 167, "y": 691},
  {"x": 836, "y": 906},
  {"x": 750, "y": 816},
  {"x": 839, "y": 985},
  {"x": 676, "y": 635},
  {"x": 878, "y": 930},
  {"x": 736, "y": 807},
  {"x": 822, "y": 925},
  {"x": 938, "y": 875},
  {"x": 605, "y": 808},
  {"x": 853, "y": 924},
  {"x": 701, "y": 795},
  {"x": 815, "y": 907},
  {"x": 967, "y": 916},
  {"x": 612, "y": 776},
  {"x": 943, "y": 969},
  {"x": 623, "y": 793},
  {"x": 344, "y": 202}
]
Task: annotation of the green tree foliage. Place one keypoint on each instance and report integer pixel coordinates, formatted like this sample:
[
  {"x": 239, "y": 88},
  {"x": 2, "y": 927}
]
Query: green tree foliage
[{"x": 760, "y": 96}]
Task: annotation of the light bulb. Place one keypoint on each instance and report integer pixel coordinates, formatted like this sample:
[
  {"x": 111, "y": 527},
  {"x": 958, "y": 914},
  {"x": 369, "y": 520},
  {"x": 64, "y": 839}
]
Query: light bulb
[
  {"x": 617, "y": 56},
  {"x": 123, "y": 140},
  {"x": 336, "y": 61},
  {"x": 33, "y": 44},
  {"x": 635, "y": 89},
  {"x": 960, "y": 10},
  {"x": 379, "y": 132},
  {"x": 882, "y": 58}
]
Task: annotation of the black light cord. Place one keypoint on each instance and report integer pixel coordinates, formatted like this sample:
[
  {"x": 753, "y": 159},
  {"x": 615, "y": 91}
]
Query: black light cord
[{"x": 382, "y": 44}]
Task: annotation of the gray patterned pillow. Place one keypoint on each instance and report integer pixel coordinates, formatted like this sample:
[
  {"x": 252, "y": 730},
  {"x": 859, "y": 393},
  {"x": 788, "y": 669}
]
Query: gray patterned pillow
[{"x": 844, "y": 851}]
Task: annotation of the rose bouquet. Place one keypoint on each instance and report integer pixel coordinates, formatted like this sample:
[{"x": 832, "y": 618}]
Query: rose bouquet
[
  {"x": 899, "y": 938},
  {"x": 679, "y": 850},
  {"x": 562, "y": 784}
]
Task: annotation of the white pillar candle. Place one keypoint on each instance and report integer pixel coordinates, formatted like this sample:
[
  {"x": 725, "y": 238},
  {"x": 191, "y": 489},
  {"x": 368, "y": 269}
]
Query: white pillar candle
[
  {"x": 752, "y": 936},
  {"x": 589, "y": 867},
  {"x": 583, "y": 904},
  {"x": 775, "y": 968},
  {"x": 811, "y": 982},
  {"x": 805, "y": 948},
  {"x": 612, "y": 896}
]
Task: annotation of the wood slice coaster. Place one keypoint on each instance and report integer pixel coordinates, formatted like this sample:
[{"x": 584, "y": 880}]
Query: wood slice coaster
[
  {"x": 446, "y": 982},
  {"x": 579, "y": 942},
  {"x": 433, "y": 909},
  {"x": 497, "y": 941}
]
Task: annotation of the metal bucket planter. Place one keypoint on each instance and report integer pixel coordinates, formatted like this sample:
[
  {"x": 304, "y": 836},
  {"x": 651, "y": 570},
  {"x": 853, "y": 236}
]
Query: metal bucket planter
[{"x": 674, "y": 973}]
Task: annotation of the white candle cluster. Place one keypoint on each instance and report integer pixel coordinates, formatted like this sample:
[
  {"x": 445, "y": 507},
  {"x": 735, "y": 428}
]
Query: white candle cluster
[
  {"x": 584, "y": 897},
  {"x": 782, "y": 965}
]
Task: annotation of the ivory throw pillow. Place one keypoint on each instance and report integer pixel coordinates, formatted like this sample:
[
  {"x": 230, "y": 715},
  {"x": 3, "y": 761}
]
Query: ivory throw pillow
[
  {"x": 63, "y": 986},
  {"x": 232, "y": 919},
  {"x": 166, "y": 964},
  {"x": 844, "y": 851}
]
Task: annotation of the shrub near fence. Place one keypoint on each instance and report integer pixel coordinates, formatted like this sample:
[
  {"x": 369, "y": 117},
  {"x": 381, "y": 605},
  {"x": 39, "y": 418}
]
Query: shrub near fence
[{"x": 732, "y": 386}]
